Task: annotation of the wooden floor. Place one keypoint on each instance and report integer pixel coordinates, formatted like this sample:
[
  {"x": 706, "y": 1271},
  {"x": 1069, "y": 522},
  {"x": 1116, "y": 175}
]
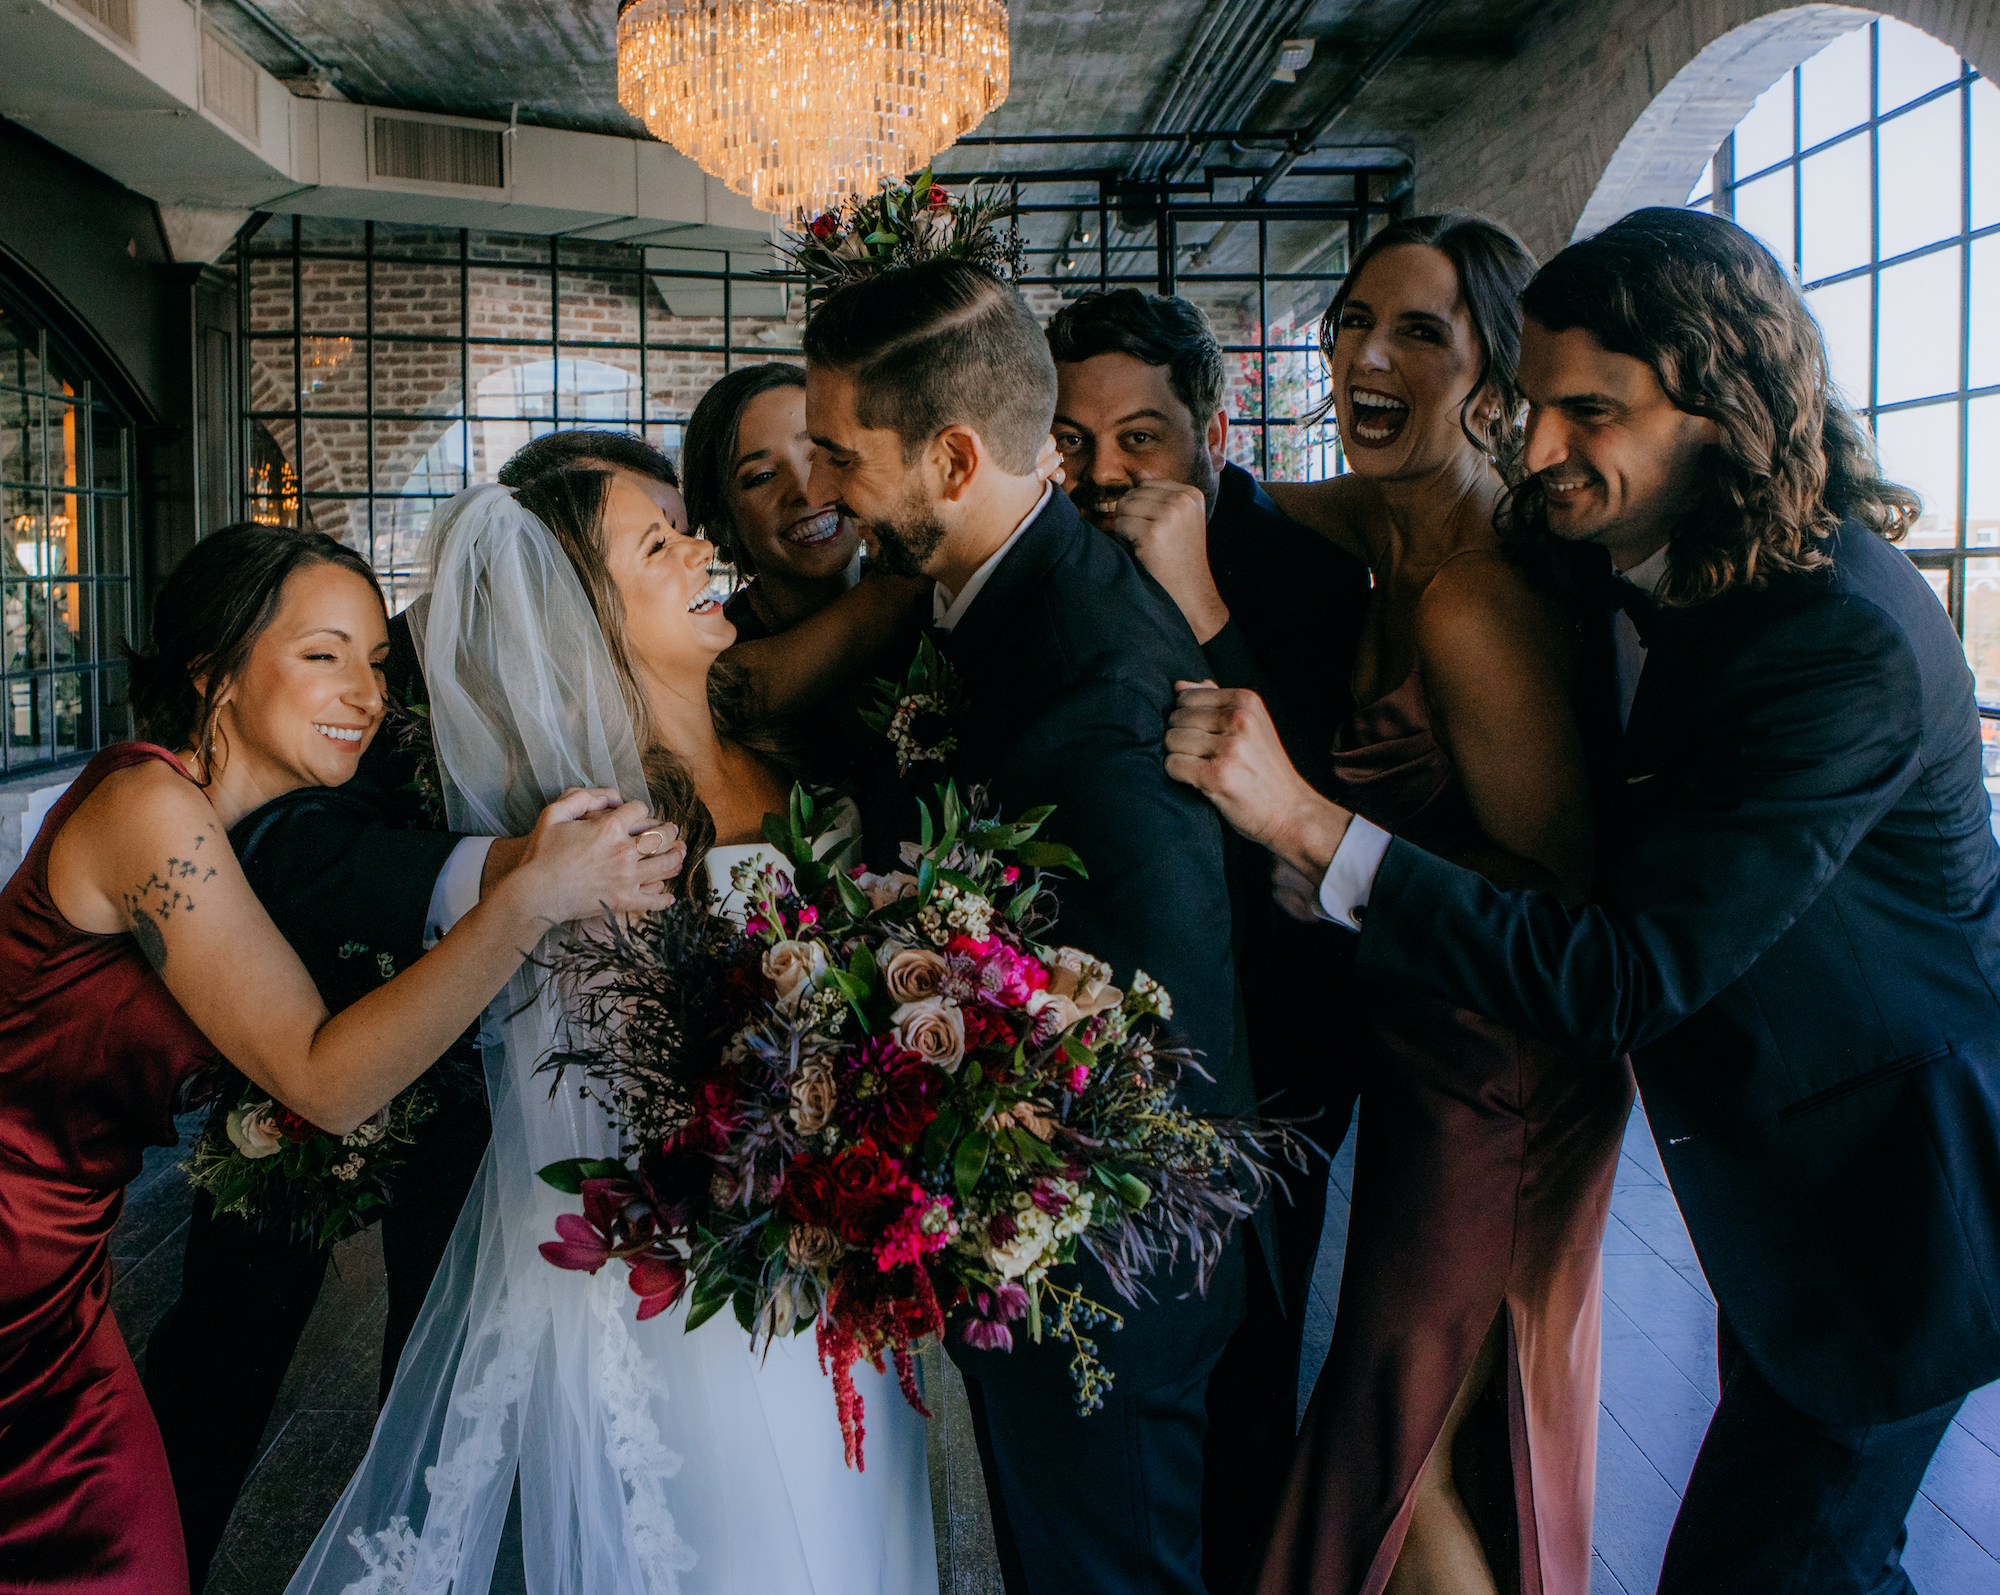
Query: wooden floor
[{"x": 1659, "y": 1387}]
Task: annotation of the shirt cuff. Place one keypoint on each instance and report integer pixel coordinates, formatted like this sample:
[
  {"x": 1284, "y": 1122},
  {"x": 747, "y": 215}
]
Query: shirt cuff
[
  {"x": 456, "y": 893},
  {"x": 1343, "y": 894}
]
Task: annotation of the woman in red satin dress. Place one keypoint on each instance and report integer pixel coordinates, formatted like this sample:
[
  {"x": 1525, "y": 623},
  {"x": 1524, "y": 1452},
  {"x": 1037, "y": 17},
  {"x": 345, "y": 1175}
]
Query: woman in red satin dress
[
  {"x": 1451, "y": 1442},
  {"x": 134, "y": 958}
]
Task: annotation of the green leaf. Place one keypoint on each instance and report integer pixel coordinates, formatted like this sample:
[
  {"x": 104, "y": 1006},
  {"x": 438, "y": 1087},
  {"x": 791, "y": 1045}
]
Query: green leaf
[
  {"x": 926, "y": 882},
  {"x": 1050, "y": 855},
  {"x": 778, "y": 834},
  {"x": 852, "y": 898},
  {"x": 850, "y": 986},
  {"x": 708, "y": 1299},
  {"x": 971, "y": 1075},
  {"x": 862, "y": 967},
  {"x": 745, "y": 1303},
  {"x": 880, "y": 238},
  {"x": 1028, "y": 819},
  {"x": 568, "y": 1175},
  {"x": 970, "y": 1162},
  {"x": 925, "y": 832},
  {"x": 1017, "y": 905}
]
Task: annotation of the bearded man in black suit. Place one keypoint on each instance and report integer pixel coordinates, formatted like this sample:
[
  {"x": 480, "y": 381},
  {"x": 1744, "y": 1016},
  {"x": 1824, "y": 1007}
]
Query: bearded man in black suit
[
  {"x": 1795, "y": 930},
  {"x": 929, "y": 391}
]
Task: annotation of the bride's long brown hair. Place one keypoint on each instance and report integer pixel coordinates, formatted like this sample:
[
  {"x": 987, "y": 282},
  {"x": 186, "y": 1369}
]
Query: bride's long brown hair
[{"x": 571, "y": 504}]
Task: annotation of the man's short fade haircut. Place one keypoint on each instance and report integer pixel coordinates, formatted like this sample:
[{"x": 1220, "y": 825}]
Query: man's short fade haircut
[
  {"x": 1157, "y": 329},
  {"x": 942, "y": 343},
  {"x": 558, "y": 451}
]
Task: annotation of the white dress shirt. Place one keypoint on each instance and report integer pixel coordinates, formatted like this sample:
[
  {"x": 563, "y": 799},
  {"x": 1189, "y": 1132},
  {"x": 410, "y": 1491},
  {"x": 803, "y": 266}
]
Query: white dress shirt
[
  {"x": 1344, "y": 889},
  {"x": 457, "y": 890},
  {"x": 946, "y": 610}
]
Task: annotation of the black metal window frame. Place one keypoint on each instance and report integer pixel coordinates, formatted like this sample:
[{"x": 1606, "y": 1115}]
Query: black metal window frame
[
  {"x": 1184, "y": 217},
  {"x": 288, "y": 239},
  {"x": 1724, "y": 182},
  {"x": 1167, "y": 222},
  {"x": 91, "y": 599}
]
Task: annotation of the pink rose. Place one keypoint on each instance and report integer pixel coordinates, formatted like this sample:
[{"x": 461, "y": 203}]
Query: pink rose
[
  {"x": 792, "y": 967},
  {"x": 882, "y": 890}
]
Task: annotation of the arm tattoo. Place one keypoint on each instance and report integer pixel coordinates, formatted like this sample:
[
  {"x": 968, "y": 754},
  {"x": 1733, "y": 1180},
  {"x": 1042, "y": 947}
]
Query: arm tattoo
[{"x": 154, "y": 904}]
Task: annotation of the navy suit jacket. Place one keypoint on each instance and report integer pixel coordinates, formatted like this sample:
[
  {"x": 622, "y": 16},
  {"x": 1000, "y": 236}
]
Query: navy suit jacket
[
  {"x": 1796, "y": 935},
  {"x": 1068, "y": 659}
]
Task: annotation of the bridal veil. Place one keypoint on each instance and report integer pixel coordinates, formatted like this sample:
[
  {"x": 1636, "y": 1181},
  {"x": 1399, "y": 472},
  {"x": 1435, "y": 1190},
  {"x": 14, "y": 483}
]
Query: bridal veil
[{"x": 645, "y": 1462}]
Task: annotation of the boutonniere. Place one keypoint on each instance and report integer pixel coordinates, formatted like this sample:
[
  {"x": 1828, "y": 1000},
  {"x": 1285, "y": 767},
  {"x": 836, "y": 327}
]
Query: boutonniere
[{"x": 919, "y": 715}]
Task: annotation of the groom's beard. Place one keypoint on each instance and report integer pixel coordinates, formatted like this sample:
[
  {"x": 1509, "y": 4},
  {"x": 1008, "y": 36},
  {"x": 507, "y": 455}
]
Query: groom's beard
[{"x": 905, "y": 545}]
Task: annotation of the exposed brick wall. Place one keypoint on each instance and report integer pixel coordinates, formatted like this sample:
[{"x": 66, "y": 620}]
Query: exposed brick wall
[{"x": 1534, "y": 148}]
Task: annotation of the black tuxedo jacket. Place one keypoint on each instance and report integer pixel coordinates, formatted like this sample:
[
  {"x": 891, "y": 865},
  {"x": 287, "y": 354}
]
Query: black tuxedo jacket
[
  {"x": 1295, "y": 609},
  {"x": 387, "y": 777},
  {"x": 1797, "y": 937},
  {"x": 1068, "y": 659}
]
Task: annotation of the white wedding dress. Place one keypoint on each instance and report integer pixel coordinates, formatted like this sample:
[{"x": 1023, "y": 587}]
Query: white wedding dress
[{"x": 649, "y": 1461}]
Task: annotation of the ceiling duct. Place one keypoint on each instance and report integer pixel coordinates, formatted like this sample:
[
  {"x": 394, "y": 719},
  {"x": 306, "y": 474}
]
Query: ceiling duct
[
  {"x": 229, "y": 83},
  {"x": 451, "y": 153},
  {"x": 186, "y": 119},
  {"x": 115, "y": 17}
]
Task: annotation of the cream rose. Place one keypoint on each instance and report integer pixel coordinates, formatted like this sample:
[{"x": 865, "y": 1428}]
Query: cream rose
[
  {"x": 933, "y": 1029},
  {"x": 813, "y": 1097},
  {"x": 1053, "y": 1013},
  {"x": 792, "y": 967},
  {"x": 913, "y": 973},
  {"x": 882, "y": 890},
  {"x": 1085, "y": 980},
  {"x": 254, "y": 1131}
]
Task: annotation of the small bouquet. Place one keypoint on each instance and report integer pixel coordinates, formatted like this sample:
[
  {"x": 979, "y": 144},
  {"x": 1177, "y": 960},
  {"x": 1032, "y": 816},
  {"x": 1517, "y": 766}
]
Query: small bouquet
[
  {"x": 901, "y": 225},
  {"x": 257, "y": 1157},
  {"x": 882, "y": 1103}
]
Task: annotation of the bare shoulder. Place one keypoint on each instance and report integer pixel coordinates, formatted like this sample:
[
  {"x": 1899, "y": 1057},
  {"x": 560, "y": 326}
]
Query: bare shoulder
[
  {"x": 144, "y": 823},
  {"x": 1480, "y": 610},
  {"x": 1338, "y": 508}
]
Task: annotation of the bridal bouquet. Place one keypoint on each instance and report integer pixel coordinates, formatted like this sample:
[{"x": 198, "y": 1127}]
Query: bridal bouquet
[
  {"x": 882, "y": 1103},
  {"x": 901, "y": 224},
  {"x": 258, "y": 1158}
]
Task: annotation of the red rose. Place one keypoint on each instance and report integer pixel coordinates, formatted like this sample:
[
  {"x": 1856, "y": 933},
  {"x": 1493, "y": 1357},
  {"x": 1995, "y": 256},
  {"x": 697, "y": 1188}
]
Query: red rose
[
  {"x": 865, "y": 1171},
  {"x": 294, "y": 1128},
  {"x": 810, "y": 1193},
  {"x": 938, "y": 197},
  {"x": 823, "y": 225}
]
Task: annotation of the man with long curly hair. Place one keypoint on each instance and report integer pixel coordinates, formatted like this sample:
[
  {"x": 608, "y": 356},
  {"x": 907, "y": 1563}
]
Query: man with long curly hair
[{"x": 1795, "y": 928}]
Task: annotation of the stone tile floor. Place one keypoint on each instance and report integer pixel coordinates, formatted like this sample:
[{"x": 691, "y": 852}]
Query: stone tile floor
[{"x": 1659, "y": 1387}]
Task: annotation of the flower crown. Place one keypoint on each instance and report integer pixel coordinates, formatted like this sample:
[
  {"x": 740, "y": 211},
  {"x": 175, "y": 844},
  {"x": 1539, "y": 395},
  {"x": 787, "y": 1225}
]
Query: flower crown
[{"x": 905, "y": 223}]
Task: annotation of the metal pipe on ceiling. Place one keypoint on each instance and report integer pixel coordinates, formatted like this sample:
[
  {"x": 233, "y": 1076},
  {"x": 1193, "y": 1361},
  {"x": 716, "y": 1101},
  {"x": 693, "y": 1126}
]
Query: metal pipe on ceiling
[{"x": 1302, "y": 143}]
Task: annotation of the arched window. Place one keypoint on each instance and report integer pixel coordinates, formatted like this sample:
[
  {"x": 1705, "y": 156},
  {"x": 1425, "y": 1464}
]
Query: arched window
[
  {"x": 1872, "y": 170},
  {"x": 66, "y": 557}
]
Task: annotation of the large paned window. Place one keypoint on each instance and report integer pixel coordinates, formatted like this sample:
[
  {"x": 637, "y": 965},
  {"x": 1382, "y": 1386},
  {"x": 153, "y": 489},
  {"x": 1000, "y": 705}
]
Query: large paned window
[
  {"x": 66, "y": 558},
  {"x": 389, "y": 367},
  {"x": 1873, "y": 171}
]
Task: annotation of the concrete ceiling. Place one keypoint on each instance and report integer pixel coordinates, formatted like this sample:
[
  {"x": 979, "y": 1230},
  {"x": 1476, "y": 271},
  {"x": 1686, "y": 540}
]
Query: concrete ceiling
[
  {"x": 1085, "y": 66},
  {"x": 1078, "y": 66}
]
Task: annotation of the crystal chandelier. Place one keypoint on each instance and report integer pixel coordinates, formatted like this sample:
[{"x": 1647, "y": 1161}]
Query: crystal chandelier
[{"x": 798, "y": 103}]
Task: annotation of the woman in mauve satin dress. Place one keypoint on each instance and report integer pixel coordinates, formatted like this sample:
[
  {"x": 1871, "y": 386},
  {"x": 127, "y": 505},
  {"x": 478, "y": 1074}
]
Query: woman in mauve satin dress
[
  {"x": 134, "y": 958},
  {"x": 1450, "y": 1447}
]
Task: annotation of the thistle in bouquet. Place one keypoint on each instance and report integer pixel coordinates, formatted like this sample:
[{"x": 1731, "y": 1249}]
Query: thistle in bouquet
[
  {"x": 901, "y": 224},
  {"x": 884, "y": 1108}
]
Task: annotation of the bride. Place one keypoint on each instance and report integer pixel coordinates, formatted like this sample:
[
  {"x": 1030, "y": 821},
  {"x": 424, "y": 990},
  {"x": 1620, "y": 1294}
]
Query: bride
[{"x": 569, "y": 639}]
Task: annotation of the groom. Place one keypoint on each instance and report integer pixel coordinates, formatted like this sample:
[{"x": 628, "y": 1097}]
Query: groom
[{"x": 929, "y": 390}]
